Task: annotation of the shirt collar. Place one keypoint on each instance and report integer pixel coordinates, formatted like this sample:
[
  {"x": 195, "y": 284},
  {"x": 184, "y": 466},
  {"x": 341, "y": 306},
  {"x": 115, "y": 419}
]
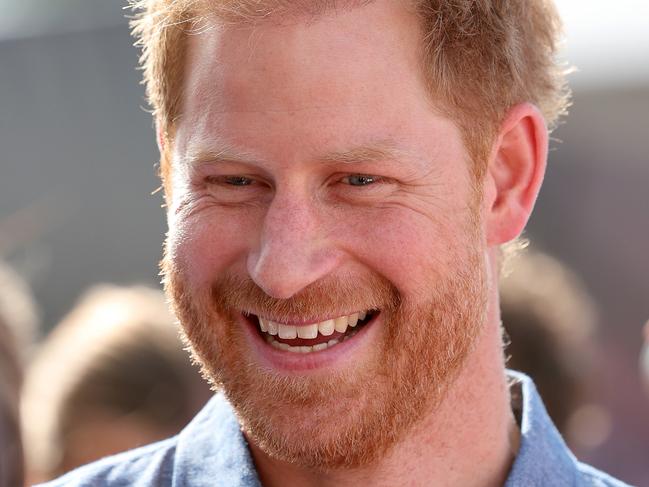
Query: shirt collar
[
  {"x": 212, "y": 450},
  {"x": 543, "y": 455}
]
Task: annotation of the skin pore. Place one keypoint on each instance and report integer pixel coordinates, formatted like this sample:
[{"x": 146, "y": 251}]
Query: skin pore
[{"x": 314, "y": 179}]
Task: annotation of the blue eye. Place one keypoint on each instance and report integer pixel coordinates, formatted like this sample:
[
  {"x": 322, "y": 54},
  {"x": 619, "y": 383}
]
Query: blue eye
[{"x": 360, "y": 180}]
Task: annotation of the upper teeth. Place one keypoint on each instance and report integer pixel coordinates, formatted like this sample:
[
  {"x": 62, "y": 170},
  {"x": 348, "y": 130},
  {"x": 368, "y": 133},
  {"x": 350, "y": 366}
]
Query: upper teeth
[{"x": 325, "y": 328}]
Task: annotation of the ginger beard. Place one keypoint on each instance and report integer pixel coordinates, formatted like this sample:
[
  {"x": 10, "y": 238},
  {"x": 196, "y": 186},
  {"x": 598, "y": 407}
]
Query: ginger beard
[{"x": 349, "y": 418}]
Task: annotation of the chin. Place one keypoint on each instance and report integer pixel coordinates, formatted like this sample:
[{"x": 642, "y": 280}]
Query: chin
[{"x": 348, "y": 408}]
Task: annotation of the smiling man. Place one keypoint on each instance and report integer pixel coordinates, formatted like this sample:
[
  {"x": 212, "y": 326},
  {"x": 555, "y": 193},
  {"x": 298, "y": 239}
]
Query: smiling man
[{"x": 341, "y": 177}]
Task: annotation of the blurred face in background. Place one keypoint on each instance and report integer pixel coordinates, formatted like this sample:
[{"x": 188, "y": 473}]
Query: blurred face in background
[
  {"x": 313, "y": 181},
  {"x": 117, "y": 432}
]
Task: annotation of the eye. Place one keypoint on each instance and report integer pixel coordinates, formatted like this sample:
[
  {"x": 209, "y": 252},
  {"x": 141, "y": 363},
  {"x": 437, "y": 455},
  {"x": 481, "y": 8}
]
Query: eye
[
  {"x": 233, "y": 189},
  {"x": 362, "y": 188},
  {"x": 237, "y": 181},
  {"x": 360, "y": 180},
  {"x": 229, "y": 181}
]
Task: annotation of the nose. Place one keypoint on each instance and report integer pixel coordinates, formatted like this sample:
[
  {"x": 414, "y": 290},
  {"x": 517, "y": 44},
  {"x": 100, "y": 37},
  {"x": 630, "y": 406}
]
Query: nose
[{"x": 293, "y": 249}]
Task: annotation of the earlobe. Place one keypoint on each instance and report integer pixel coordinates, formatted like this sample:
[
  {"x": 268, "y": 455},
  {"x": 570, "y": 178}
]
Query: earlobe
[{"x": 515, "y": 173}]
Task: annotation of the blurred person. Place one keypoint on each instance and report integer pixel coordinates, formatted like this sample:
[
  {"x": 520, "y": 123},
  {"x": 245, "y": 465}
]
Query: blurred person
[
  {"x": 644, "y": 357},
  {"x": 549, "y": 319},
  {"x": 111, "y": 376},
  {"x": 11, "y": 457},
  {"x": 18, "y": 311},
  {"x": 18, "y": 325},
  {"x": 340, "y": 177}
]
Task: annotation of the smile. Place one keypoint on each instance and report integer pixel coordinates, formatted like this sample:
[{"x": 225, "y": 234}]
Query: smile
[{"x": 313, "y": 337}]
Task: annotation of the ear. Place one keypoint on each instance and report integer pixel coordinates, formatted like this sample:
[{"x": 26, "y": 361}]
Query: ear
[
  {"x": 160, "y": 136},
  {"x": 515, "y": 173}
]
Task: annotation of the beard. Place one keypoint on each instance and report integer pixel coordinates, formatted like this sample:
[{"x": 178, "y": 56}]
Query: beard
[{"x": 337, "y": 419}]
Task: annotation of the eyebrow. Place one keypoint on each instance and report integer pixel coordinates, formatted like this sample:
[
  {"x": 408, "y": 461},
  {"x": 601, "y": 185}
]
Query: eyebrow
[
  {"x": 225, "y": 154},
  {"x": 370, "y": 153},
  {"x": 365, "y": 153}
]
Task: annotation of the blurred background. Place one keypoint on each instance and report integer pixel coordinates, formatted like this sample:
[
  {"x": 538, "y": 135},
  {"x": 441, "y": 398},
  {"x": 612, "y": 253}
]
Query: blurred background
[{"x": 77, "y": 169}]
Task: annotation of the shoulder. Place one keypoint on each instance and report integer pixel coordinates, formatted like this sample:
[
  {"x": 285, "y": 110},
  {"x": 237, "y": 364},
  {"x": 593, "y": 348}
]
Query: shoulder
[
  {"x": 543, "y": 458},
  {"x": 151, "y": 465},
  {"x": 210, "y": 451}
]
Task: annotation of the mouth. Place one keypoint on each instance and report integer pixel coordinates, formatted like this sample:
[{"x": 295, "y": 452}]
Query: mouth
[{"x": 309, "y": 338}]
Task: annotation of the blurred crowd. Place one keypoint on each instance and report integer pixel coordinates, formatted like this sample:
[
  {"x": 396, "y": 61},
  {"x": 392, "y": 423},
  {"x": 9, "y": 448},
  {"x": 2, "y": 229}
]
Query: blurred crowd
[{"x": 113, "y": 375}]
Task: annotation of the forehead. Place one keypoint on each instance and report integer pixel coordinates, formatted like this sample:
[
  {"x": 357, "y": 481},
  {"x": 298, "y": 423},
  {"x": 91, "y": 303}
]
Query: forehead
[
  {"x": 352, "y": 73},
  {"x": 379, "y": 39}
]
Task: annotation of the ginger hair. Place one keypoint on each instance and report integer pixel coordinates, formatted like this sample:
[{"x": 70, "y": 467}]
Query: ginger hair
[{"x": 479, "y": 57}]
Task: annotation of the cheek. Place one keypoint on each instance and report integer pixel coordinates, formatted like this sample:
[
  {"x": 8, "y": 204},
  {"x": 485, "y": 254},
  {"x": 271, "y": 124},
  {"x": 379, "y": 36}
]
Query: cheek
[
  {"x": 408, "y": 248},
  {"x": 204, "y": 247}
]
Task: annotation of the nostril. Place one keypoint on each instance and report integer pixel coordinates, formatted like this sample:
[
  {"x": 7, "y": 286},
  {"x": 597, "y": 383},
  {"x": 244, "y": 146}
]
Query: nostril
[{"x": 287, "y": 259}]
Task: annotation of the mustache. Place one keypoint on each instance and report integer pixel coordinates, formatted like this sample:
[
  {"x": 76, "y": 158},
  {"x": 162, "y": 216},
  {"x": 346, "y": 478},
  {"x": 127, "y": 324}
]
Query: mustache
[{"x": 325, "y": 298}]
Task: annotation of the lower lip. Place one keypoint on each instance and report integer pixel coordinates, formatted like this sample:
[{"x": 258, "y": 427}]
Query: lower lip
[{"x": 288, "y": 362}]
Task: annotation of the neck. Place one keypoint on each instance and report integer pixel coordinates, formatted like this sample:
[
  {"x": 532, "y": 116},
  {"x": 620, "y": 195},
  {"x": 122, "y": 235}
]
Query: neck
[{"x": 471, "y": 439}]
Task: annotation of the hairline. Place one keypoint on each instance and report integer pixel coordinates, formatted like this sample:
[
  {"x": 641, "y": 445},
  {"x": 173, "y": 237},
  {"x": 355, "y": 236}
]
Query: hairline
[{"x": 202, "y": 11}]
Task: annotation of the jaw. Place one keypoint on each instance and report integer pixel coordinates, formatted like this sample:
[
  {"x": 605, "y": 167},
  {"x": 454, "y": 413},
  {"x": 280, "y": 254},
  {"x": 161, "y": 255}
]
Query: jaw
[{"x": 343, "y": 406}]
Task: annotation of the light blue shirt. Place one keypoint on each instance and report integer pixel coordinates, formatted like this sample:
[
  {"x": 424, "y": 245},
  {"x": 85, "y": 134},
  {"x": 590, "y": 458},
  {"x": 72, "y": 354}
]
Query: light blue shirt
[{"x": 212, "y": 452}]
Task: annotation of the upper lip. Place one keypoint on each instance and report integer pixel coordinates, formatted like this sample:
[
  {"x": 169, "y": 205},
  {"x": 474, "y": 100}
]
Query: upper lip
[{"x": 298, "y": 321}]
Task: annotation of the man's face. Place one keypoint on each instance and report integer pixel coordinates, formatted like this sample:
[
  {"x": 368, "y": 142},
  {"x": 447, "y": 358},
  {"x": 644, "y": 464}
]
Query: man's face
[{"x": 313, "y": 182}]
